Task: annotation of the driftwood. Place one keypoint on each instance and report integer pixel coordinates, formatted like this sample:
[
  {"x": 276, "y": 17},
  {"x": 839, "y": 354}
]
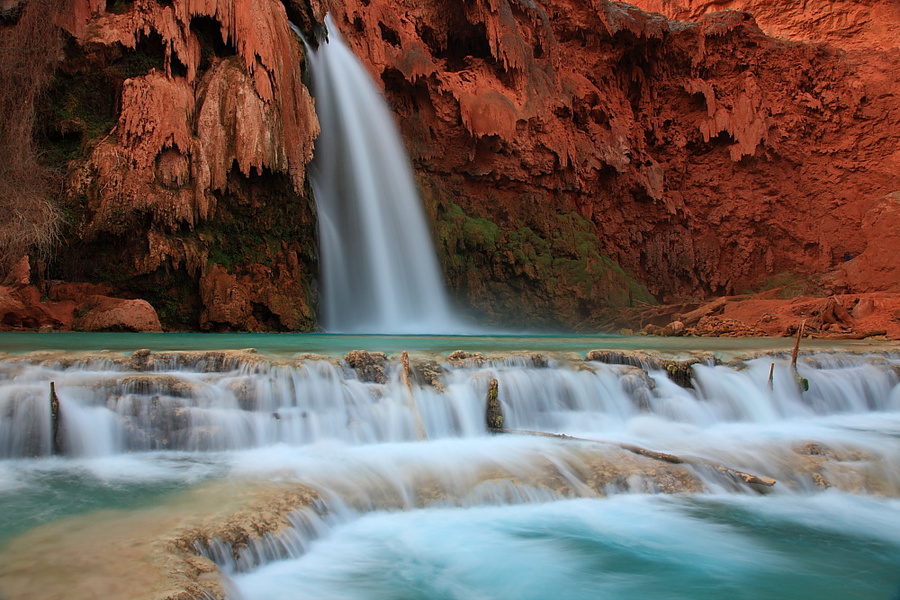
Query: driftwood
[
  {"x": 802, "y": 382},
  {"x": 712, "y": 308},
  {"x": 407, "y": 383},
  {"x": 850, "y": 336}
]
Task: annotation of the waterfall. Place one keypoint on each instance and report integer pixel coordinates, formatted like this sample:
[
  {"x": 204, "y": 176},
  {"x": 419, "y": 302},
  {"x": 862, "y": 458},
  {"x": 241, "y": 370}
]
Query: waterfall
[{"x": 378, "y": 266}]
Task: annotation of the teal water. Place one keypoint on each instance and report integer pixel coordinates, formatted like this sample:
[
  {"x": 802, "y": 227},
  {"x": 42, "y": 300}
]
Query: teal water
[
  {"x": 330, "y": 344},
  {"x": 36, "y": 492},
  {"x": 623, "y": 548}
]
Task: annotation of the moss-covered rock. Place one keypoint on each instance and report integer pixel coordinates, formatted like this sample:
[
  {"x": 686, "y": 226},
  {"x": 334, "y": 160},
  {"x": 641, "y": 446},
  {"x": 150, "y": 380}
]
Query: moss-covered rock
[{"x": 549, "y": 274}]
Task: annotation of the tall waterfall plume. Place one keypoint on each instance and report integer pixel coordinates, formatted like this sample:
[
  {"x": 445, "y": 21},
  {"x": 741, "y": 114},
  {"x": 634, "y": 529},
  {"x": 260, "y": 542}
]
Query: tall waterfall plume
[{"x": 378, "y": 266}]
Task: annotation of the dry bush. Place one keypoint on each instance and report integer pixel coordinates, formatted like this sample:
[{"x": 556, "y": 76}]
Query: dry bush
[{"x": 30, "y": 50}]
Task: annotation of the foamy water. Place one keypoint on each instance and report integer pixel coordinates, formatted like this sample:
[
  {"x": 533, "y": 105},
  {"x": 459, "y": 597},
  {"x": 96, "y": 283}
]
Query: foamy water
[{"x": 467, "y": 514}]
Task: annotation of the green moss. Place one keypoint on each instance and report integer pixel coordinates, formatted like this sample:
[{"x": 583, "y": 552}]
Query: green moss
[
  {"x": 550, "y": 271},
  {"x": 457, "y": 229},
  {"x": 82, "y": 102},
  {"x": 258, "y": 221}
]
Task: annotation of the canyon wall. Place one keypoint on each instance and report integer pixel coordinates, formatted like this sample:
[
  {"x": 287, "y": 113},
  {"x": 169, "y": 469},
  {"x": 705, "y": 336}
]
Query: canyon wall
[
  {"x": 576, "y": 157},
  {"x": 183, "y": 130},
  {"x": 707, "y": 156}
]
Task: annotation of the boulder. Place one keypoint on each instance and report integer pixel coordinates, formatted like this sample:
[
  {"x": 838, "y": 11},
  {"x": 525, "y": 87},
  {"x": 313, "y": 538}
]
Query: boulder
[{"x": 102, "y": 313}]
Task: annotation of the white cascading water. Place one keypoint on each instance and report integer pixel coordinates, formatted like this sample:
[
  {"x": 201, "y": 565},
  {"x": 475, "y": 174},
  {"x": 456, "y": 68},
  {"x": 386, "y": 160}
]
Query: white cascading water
[
  {"x": 377, "y": 260},
  {"x": 464, "y": 513}
]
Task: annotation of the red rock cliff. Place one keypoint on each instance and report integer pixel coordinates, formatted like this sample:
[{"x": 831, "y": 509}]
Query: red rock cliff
[
  {"x": 565, "y": 148},
  {"x": 192, "y": 132},
  {"x": 707, "y": 155}
]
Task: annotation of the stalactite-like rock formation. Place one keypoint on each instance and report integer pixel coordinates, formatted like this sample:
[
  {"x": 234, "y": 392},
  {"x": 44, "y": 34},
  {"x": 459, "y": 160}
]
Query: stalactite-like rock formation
[
  {"x": 182, "y": 130},
  {"x": 197, "y": 166}
]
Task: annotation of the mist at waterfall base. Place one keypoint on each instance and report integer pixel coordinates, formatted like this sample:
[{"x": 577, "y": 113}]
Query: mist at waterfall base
[
  {"x": 378, "y": 266},
  {"x": 465, "y": 514}
]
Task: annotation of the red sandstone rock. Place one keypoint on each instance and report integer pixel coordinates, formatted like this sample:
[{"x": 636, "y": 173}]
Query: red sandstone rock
[
  {"x": 73, "y": 306},
  {"x": 177, "y": 136},
  {"x": 102, "y": 313},
  {"x": 774, "y": 316},
  {"x": 225, "y": 300},
  {"x": 21, "y": 307},
  {"x": 257, "y": 299},
  {"x": 708, "y": 156},
  {"x": 868, "y": 23},
  {"x": 20, "y": 274}
]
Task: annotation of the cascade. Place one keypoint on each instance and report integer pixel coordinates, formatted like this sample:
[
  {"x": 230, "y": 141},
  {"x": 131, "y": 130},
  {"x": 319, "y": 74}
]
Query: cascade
[
  {"x": 378, "y": 266},
  {"x": 465, "y": 513}
]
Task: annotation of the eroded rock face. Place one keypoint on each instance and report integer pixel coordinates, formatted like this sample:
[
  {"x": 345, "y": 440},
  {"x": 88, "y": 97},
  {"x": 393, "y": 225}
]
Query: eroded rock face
[
  {"x": 706, "y": 156},
  {"x": 869, "y": 23},
  {"x": 199, "y": 164},
  {"x": 573, "y": 156}
]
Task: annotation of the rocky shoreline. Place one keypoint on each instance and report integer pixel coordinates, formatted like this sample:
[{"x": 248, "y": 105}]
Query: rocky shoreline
[{"x": 87, "y": 307}]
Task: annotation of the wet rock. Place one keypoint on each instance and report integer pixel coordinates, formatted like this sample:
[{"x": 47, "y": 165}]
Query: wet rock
[
  {"x": 539, "y": 361},
  {"x": 141, "y": 360},
  {"x": 679, "y": 370},
  {"x": 638, "y": 384},
  {"x": 461, "y": 358},
  {"x": 369, "y": 366},
  {"x": 634, "y": 358},
  {"x": 428, "y": 372}
]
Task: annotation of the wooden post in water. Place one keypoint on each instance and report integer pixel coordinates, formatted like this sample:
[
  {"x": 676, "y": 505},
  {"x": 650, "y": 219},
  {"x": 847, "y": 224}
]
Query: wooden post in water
[
  {"x": 56, "y": 441},
  {"x": 802, "y": 382},
  {"x": 494, "y": 410}
]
